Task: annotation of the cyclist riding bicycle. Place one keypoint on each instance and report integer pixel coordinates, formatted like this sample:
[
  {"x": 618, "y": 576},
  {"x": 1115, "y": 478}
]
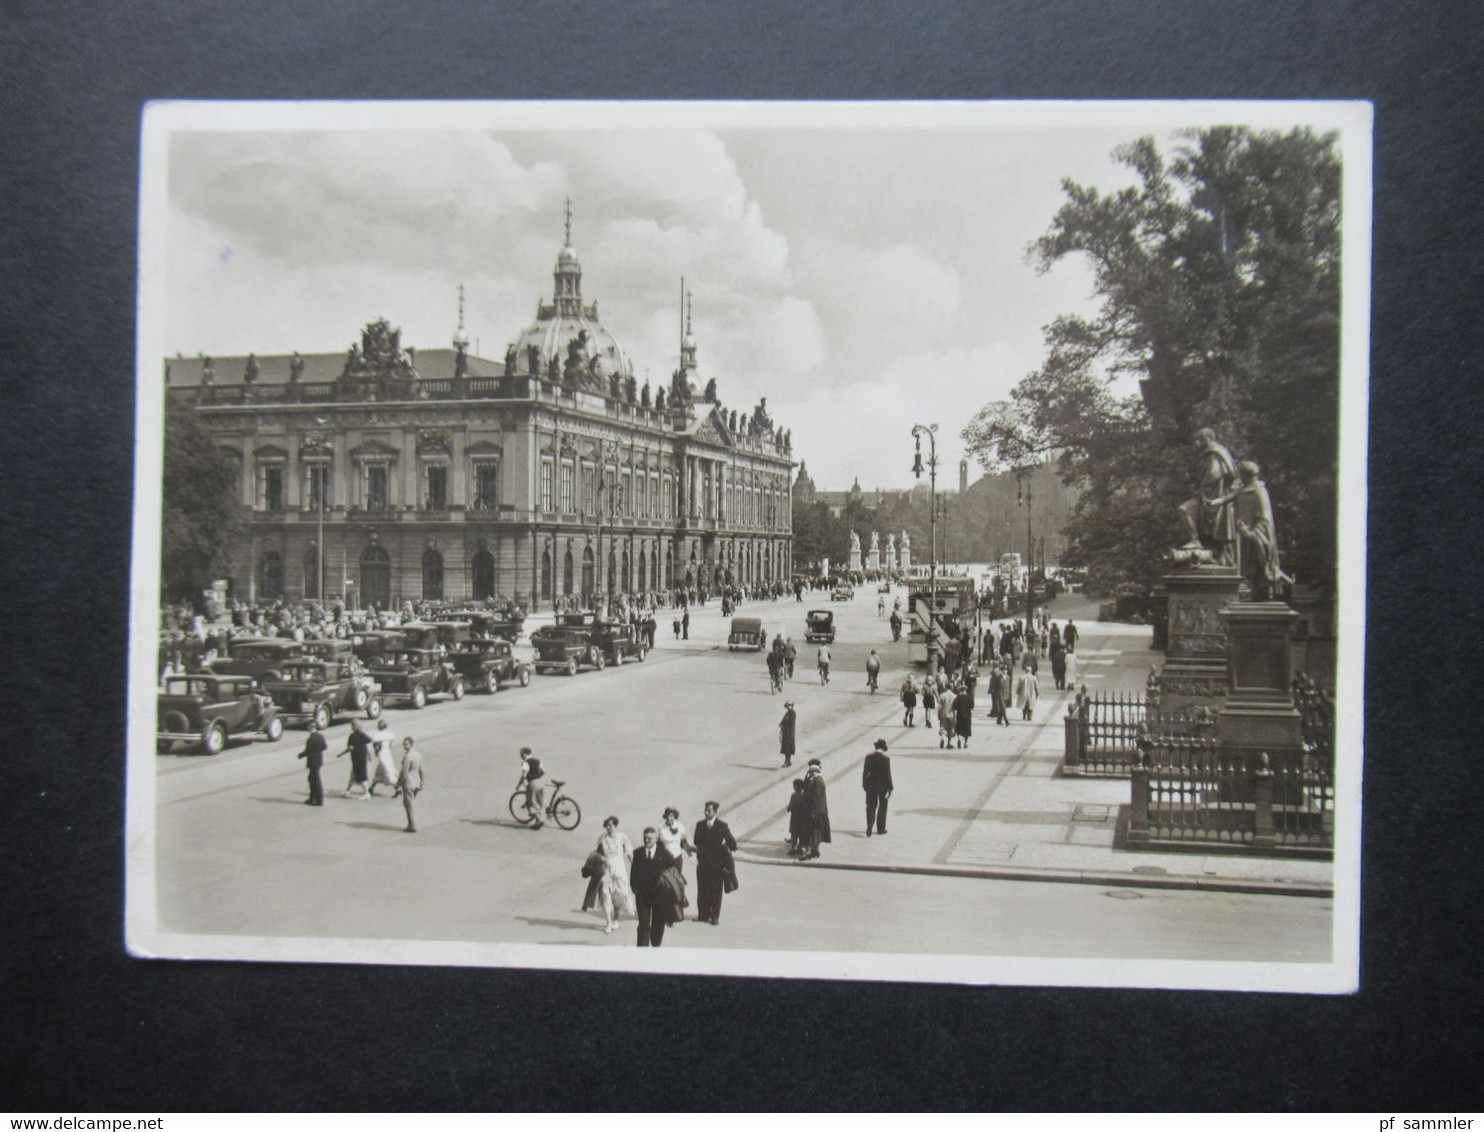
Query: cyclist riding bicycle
[
  {"x": 873, "y": 670},
  {"x": 823, "y": 657}
]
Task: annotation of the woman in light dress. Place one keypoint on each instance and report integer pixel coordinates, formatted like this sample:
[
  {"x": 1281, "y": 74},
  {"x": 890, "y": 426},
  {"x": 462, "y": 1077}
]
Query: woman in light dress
[
  {"x": 386, "y": 768},
  {"x": 673, "y": 839},
  {"x": 613, "y": 888}
]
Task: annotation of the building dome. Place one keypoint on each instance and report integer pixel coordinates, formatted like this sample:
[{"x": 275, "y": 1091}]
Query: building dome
[{"x": 568, "y": 328}]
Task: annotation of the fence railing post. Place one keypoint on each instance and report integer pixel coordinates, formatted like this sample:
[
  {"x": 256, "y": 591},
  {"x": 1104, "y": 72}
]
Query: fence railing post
[
  {"x": 1138, "y": 810},
  {"x": 1072, "y": 728},
  {"x": 1263, "y": 835}
]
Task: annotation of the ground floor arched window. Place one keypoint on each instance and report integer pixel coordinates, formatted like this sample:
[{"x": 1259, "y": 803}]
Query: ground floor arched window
[
  {"x": 311, "y": 573},
  {"x": 433, "y": 576},
  {"x": 376, "y": 577},
  {"x": 567, "y": 573},
  {"x": 546, "y": 573},
  {"x": 589, "y": 572},
  {"x": 270, "y": 576},
  {"x": 482, "y": 571}
]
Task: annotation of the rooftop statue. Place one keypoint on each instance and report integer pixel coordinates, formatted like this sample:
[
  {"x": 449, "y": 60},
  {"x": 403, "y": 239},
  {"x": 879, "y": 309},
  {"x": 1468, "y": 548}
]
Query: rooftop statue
[
  {"x": 296, "y": 367},
  {"x": 1207, "y": 516}
]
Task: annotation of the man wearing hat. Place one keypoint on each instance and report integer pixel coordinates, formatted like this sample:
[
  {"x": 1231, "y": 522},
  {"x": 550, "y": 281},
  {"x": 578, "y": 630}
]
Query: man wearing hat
[
  {"x": 876, "y": 781},
  {"x": 786, "y": 733},
  {"x": 816, "y": 809}
]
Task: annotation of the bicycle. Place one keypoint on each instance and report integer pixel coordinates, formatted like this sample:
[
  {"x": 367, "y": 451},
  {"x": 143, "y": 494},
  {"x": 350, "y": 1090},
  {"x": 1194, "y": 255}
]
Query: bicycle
[
  {"x": 871, "y": 679},
  {"x": 561, "y": 809}
]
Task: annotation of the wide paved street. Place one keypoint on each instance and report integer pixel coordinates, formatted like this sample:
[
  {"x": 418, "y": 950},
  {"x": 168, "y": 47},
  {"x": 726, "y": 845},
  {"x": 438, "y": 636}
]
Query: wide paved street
[{"x": 239, "y": 854}]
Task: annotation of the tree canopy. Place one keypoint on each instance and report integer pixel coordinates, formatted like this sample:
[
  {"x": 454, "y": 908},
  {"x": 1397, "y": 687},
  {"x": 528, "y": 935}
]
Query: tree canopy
[
  {"x": 1218, "y": 280},
  {"x": 201, "y": 509}
]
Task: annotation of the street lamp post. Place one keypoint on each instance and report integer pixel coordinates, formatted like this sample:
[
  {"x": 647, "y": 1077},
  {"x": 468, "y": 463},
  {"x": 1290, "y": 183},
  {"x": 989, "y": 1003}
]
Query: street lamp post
[
  {"x": 1023, "y": 490},
  {"x": 321, "y": 439},
  {"x": 918, "y": 432}
]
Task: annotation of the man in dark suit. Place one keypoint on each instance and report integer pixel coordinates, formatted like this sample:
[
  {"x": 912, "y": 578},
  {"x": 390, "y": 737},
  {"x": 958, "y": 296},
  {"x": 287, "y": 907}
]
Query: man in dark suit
[
  {"x": 714, "y": 848},
  {"x": 876, "y": 781},
  {"x": 314, "y": 755},
  {"x": 650, "y": 860}
]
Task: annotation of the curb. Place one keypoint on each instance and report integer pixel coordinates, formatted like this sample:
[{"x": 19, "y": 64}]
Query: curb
[{"x": 1075, "y": 876}]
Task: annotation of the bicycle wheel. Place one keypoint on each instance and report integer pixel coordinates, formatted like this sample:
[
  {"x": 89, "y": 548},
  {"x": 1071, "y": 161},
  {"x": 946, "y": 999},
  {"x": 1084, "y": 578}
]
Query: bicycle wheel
[
  {"x": 518, "y": 809},
  {"x": 566, "y": 812}
]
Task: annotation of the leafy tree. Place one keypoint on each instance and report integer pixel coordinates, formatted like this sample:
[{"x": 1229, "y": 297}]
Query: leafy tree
[
  {"x": 201, "y": 509},
  {"x": 1218, "y": 274}
]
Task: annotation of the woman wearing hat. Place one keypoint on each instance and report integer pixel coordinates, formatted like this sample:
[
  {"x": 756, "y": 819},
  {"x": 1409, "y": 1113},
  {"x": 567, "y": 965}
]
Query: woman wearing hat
[{"x": 816, "y": 809}]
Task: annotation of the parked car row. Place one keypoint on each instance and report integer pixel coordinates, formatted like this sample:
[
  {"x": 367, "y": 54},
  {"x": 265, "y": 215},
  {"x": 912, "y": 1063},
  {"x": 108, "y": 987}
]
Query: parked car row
[
  {"x": 265, "y": 683},
  {"x": 584, "y": 640}
]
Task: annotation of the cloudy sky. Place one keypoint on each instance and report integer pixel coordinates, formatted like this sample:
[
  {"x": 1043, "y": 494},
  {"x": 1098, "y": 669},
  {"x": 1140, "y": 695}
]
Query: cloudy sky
[{"x": 861, "y": 278}]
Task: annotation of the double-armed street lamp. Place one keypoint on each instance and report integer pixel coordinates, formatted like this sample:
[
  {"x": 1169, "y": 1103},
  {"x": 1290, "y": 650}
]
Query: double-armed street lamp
[
  {"x": 611, "y": 493},
  {"x": 1023, "y": 494},
  {"x": 918, "y": 432}
]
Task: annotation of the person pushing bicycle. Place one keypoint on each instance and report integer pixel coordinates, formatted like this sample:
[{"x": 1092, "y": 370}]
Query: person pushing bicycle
[{"x": 533, "y": 779}]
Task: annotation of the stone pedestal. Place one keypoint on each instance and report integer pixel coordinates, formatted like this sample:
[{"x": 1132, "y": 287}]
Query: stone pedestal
[
  {"x": 1159, "y": 603},
  {"x": 873, "y": 560},
  {"x": 1259, "y": 713},
  {"x": 1196, "y": 668},
  {"x": 855, "y": 560}
]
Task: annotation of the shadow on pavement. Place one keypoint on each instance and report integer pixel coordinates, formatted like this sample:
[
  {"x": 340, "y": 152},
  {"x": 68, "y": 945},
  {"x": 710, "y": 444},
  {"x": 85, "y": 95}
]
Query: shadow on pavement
[
  {"x": 293, "y": 801},
  {"x": 751, "y": 766},
  {"x": 564, "y": 925},
  {"x": 399, "y": 828}
]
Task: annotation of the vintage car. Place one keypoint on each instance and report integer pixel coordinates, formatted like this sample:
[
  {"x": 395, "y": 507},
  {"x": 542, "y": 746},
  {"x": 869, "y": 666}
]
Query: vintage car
[
  {"x": 413, "y": 675},
  {"x": 566, "y": 648},
  {"x": 747, "y": 633},
  {"x": 819, "y": 626},
  {"x": 490, "y": 663},
  {"x": 451, "y": 635},
  {"x": 884, "y": 588},
  {"x": 322, "y": 689},
  {"x": 261, "y": 658},
  {"x": 842, "y": 592},
  {"x": 333, "y": 649},
  {"x": 507, "y": 625},
  {"x": 619, "y": 640},
  {"x": 206, "y": 710},
  {"x": 371, "y": 644}
]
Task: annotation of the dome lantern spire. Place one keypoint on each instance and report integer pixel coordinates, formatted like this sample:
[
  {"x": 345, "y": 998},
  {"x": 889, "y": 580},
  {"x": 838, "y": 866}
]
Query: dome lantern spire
[{"x": 567, "y": 294}]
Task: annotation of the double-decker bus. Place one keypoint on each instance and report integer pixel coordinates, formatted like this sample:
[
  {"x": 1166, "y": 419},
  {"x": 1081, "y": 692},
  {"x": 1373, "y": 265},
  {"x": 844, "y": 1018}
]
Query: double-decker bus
[{"x": 951, "y": 607}]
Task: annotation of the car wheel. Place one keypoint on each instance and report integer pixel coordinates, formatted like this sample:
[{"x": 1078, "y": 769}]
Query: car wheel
[
  {"x": 617, "y": 659},
  {"x": 456, "y": 689},
  {"x": 361, "y": 697},
  {"x": 373, "y": 707},
  {"x": 571, "y": 666},
  {"x": 525, "y": 676},
  {"x": 491, "y": 682},
  {"x": 214, "y": 740},
  {"x": 419, "y": 696},
  {"x": 598, "y": 661},
  {"x": 177, "y": 722},
  {"x": 273, "y": 729},
  {"x": 642, "y": 655},
  {"x": 324, "y": 715}
]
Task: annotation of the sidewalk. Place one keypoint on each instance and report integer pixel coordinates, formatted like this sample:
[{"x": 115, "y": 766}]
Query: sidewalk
[{"x": 998, "y": 810}]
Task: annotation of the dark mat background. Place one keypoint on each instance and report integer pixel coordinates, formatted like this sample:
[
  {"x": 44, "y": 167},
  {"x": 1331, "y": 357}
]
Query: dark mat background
[{"x": 86, "y": 1028}]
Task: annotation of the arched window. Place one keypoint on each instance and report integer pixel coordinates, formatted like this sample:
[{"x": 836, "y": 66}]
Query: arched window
[
  {"x": 311, "y": 573},
  {"x": 627, "y": 576},
  {"x": 669, "y": 568},
  {"x": 643, "y": 574},
  {"x": 546, "y": 574},
  {"x": 433, "y": 576},
  {"x": 483, "y": 571},
  {"x": 270, "y": 576},
  {"x": 588, "y": 572},
  {"x": 567, "y": 573},
  {"x": 376, "y": 577}
]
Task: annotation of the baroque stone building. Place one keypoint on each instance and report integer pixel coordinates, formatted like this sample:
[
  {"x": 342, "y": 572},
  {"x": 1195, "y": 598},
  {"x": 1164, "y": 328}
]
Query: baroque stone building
[{"x": 400, "y": 474}]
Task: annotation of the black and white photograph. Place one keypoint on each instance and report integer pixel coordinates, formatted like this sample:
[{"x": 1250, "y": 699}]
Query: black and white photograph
[{"x": 873, "y": 541}]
